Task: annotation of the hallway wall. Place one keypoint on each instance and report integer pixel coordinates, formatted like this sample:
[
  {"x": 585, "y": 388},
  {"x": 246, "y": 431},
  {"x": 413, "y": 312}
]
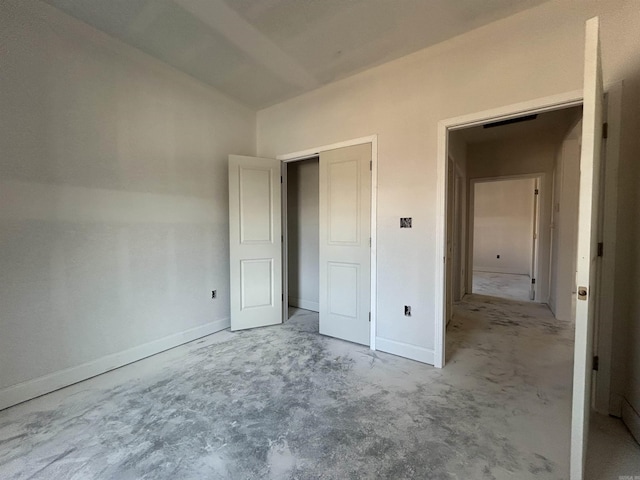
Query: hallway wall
[
  {"x": 503, "y": 226},
  {"x": 458, "y": 152}
]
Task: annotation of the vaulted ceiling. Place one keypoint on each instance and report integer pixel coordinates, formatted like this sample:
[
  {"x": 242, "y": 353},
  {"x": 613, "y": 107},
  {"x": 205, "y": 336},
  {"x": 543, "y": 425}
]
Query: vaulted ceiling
[{"x": 261, "y": 52}]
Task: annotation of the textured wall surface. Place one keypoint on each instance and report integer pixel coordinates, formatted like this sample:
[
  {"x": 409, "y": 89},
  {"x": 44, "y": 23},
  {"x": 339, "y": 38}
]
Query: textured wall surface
[{"x": 113, "y": 182}]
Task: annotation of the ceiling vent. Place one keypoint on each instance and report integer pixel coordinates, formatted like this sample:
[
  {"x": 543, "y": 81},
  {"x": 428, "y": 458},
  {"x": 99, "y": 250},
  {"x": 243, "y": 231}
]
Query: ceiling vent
[{"x": 509, "y": 121}]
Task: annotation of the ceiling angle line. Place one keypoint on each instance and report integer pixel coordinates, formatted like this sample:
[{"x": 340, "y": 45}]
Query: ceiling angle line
[{"x": 228, "y": 23}]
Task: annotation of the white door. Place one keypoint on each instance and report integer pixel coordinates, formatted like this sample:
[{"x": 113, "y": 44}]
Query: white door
[
  {"x": 587, "y": 248},
  {"x": 345, "y": 226},
  {"x": 255, "y": 242}
]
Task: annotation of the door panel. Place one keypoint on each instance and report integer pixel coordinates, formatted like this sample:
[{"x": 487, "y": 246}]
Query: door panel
[
  {"x": 256, "y": 218},
  {"x": 587, "y": 248},
  {"x": 343, "y": 289},
  {"x": 255, "y": 248},
  {"x": 345, "y": 225},
  {"x": 343, "y": 193}
]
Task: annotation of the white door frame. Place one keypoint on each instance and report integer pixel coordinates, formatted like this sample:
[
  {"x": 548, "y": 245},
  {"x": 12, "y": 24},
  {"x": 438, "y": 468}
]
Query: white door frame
[
  {"x": 472, "y": 217},
  {"x": 315, "y": 152},
  {"x": 539, "y": 105}
]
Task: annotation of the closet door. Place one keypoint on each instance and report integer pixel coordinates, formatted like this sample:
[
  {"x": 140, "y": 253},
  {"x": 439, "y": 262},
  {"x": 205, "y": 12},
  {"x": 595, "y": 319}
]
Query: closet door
[
  {"x": 255, "y": 242},
  {"x": 345, "y": 231}
]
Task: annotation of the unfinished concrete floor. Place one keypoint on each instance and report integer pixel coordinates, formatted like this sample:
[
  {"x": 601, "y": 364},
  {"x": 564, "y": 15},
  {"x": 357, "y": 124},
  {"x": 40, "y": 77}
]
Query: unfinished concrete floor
[
  {"x": 502, "y": 285},
  {"x": 284, "y": 402}
]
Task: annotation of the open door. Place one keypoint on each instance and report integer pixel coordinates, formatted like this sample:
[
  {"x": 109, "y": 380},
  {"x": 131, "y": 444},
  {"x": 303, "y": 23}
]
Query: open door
[
  {"x": 586, "y": 270},
  {"x": 345, "y": 236},
  {"x": 255, "y": 242}
]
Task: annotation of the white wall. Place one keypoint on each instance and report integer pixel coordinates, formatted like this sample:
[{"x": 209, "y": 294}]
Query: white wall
[
  {"x": 528, "y": 153},
  {"x": 529, "y": 55},
  {"x": 565, "y": 226},
  {"x": 303, "y": 226},
  {"x": 503, "y": 226},
  {"x": 114, "y": 218}
]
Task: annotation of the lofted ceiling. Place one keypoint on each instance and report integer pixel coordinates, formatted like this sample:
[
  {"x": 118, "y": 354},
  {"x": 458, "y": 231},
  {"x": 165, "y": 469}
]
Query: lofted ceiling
[{"x": 261, "y": 52}]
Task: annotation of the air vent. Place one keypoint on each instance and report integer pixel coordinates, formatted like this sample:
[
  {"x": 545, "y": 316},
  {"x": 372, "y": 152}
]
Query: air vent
[{"x": 509, "y": 121}]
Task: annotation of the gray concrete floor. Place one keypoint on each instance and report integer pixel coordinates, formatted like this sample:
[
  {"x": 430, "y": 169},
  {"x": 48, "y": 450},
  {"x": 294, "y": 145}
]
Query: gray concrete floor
[
  {"x": 285, "y": 402},
  {"x": 502, "y": 285},
  {"x": 612, "y": 453}
]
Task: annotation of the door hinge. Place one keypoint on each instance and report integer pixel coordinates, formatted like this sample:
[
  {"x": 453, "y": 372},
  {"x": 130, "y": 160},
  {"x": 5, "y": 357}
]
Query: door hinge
[
  {"x": 605, "y": 130},
  {"x": 369, "y": 316},
  {"x": 283, "y": 297},
  {"x": 371, "y": 165},
  {"x": 600, "y": 249},
  {"x": 280, "y": 178},
  {"x": 533, "y": 281},
  {"x": 596, "y": 362},
  {"x": 536, "y": 191}
]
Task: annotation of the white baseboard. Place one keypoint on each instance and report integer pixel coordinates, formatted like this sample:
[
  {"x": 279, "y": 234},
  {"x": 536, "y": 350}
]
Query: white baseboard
[
  {"x": 304, "y": 304},
  {"x": 39, "y": 386},
  {"x": 631, "y": 419},
  {"x": 420, "y": 354}
]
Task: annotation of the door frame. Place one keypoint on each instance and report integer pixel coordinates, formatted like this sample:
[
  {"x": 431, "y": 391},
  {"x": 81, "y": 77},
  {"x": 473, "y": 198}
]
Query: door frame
[
  {"x": 284, "y": 190},
  {"x": 472, "y": 217},
  {"x": 315, "y": 152},
  {"x": 608, "y": 388},
  {"x": 539, "y": 105}
]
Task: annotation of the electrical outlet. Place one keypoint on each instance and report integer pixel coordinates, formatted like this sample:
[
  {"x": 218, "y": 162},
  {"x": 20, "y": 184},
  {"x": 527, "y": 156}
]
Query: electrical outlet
[
  {"x": 407, "y": 310},
  {"x": 214, "y": 293}
]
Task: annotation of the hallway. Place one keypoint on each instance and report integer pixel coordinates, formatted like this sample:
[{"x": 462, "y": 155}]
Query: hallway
[
  {"x": 502, "y": 285},
  {"x": 517, "y": 359}
]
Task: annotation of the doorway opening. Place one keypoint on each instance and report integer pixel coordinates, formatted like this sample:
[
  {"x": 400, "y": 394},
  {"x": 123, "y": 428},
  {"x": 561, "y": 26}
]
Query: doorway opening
[
  {"x": 302, "y": 230},
  {"x": 505, "y": 169},
  {"x": 504, "y": 237},
  {"x": 568, "y": 190},
  {"x": 328, "y": 200}
]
